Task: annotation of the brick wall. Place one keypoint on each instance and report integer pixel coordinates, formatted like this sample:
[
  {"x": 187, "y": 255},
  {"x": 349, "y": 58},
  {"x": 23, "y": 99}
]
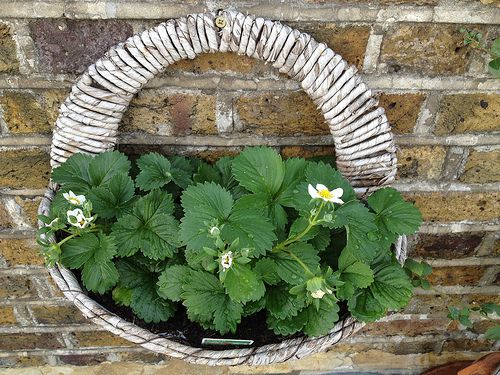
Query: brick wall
[{"x": 439, "y": 97}]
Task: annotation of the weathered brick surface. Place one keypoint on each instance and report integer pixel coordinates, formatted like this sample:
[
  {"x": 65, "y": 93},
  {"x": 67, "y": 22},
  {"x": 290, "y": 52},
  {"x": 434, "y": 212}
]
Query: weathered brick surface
[
  {"x": 432, "y": 49},
  {"x": 413, "y": 327},
  {"x": 23, "y": 341},
  {"x": 8, "y": 56},
  {"x": 280, "y": 114},
  {"x": 29, "y": 207},
  {"x": 348, "y": 41},
  {"x": 20, "y": 252},
  {"x": 402, "y": 110},
  {"x": 456, "y": 206},
  {"x": 99, "y": 338},
  {"x": 483, "y": 325},
  {"x": 409, "y": 2},
  {"x": 16, "y": 287},
  {"x": 53, "y": 314},
  {"x": 421, "y": 162},
  {"x": 163, "y": 113},
  {"x": 7, "y": 316},
  {"x": 221, "y": 62},
  {"x": 468, "y": 113},
  {"x": 460, "y": 275},
  {"x": 70, "y": 46},
  {"x": 31, "y": 111},
  {"x": 82, "y": 359},
  {"x": 22, "y": 361},
  {"x": 473, "y": 345},
  {"x": 447, "y": 246},
  {"x": 438, "y": 304},
  {"x": 307, "y": 151},
  {"x": 28, "y": 168},
  {"x": 143, "y": 357},
  {"x": 5, "y": 218},
  {"x": 482, "y": 167}
]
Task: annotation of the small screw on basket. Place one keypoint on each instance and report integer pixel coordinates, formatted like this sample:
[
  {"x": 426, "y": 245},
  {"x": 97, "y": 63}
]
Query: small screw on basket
[{"x": 220, "y": 22}]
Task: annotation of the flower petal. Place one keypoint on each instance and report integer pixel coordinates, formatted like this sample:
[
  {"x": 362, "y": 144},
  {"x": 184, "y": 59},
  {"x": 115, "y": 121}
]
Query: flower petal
[
  {"x": 312, "y": 192},
  {"x": 320, "y": 187},
  {"x": 338, "y": 192},
  {"x": 337, "y": 200}
]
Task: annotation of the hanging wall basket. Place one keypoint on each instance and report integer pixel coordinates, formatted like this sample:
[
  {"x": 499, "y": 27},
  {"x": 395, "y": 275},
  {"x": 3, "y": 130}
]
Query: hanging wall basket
[{"x": 90, "y": 116}]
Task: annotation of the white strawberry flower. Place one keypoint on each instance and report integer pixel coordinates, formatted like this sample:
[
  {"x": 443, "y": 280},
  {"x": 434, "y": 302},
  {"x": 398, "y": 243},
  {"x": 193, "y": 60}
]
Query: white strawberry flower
[
  {"x": 72, "y": 198},
  {"x": 78, "y": 219},
  {"x": 214, "y": 231},
  {"x": 320, "y": 293},
  {"x": 322, "y": 192},
  {"x": 226, "y": 260}
]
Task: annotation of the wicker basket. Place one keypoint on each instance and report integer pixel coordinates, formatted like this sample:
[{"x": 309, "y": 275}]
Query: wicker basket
[{"x": 89, "y": 119}]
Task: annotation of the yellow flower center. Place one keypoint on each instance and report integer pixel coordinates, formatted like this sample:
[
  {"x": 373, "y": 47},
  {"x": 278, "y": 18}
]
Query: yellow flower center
[
  {"x": 325, "y": 193},
  {"x": 75, "y": 201}
]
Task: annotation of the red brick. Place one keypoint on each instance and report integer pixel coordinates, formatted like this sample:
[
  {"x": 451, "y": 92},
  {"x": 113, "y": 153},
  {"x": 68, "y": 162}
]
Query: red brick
[{"x": 447, "y": 246}]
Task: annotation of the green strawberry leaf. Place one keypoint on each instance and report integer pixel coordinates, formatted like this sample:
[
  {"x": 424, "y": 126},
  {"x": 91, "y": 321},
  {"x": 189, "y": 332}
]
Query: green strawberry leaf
[
  {"x": 259, "y": 169},
  {"x": 150, "y": 228},
  {"x": 115, "y": 199},
  {"x": 154, "y": 171},
  {"x": 242, "y": 284}
]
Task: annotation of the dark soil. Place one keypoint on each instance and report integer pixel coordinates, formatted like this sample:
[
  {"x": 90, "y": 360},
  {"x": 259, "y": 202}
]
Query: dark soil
[{"x": 180, "y": 329}]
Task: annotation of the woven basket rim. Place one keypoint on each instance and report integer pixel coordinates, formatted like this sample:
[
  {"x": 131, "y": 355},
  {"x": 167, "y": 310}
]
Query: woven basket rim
[{"x": 89, "y": 118}]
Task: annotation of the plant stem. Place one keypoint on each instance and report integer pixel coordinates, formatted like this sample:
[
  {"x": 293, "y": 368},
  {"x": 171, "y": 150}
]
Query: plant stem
[
  {"x": 282, "y": 245},
  {"x": 297, "y": 237},
  {"x": 302, "y": 264}
]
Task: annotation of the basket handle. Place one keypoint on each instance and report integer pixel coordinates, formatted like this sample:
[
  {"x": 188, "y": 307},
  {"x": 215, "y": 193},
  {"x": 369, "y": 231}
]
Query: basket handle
[{"x": 89, "y": 117}]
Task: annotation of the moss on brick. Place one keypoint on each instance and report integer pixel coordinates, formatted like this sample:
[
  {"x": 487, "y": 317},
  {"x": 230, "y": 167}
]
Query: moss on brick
[
  {"x": 8, "y": 55},
  {"x": 456, "y": 206},
  {"x": 421, "y": 162},
  {"x": 24, "y": 169},
  {"x": 468, "y": 113},
  {"x": 220, "y": 63},
  {"x": 280, "y": 114},
  {"x": 348, "y": 41},
  {"x": 20, "y": 252},
  {"x": 99, "y": 338},
  {"x": 7, "y": 316},
  {"x": 434, "y": 49},
  {"x": 402, "y": 110},
  {"x": 31, "y": 111},
  {"x": 52, "y": 314},
  {"x": 482, "y": 167}
]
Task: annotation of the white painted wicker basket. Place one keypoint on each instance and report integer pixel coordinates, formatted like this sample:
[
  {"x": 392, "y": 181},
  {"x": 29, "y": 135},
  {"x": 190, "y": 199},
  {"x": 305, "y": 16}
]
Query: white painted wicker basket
[{"x": 89, "y": 119}]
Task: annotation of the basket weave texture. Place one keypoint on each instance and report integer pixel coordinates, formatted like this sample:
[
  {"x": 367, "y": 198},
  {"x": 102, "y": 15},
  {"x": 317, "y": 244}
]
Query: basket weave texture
[{"x": 89, "y": 119}]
